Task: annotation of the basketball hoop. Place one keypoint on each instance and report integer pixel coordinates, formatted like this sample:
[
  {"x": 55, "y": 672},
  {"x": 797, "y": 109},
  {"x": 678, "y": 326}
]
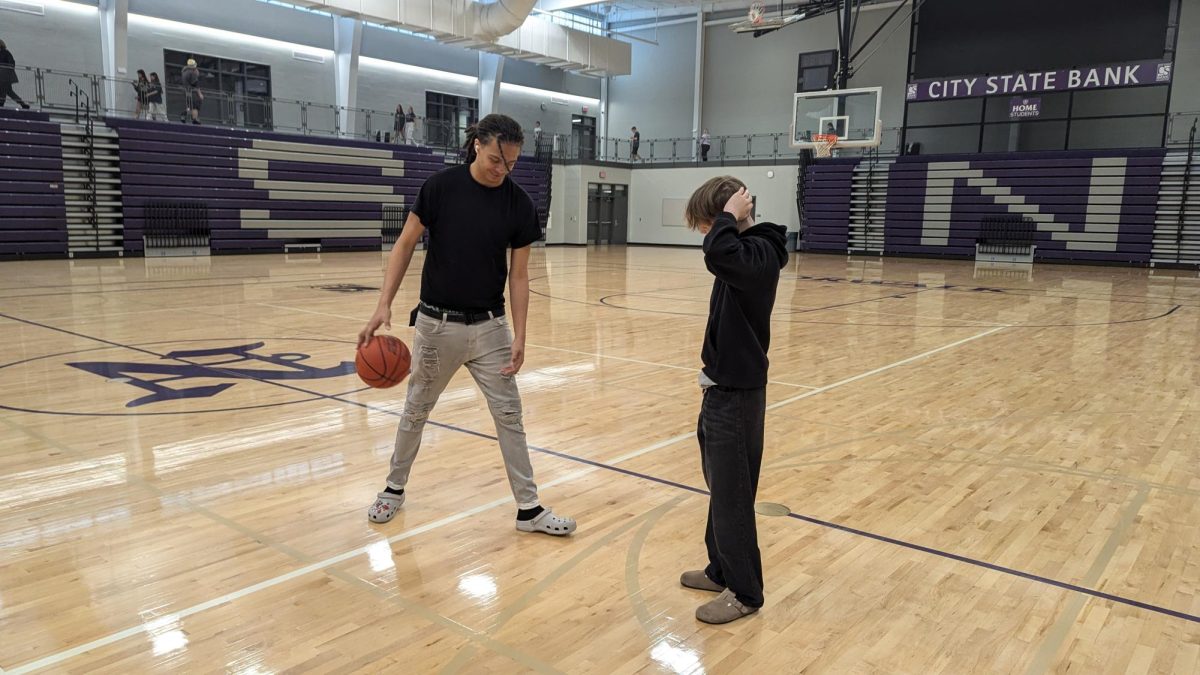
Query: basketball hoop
[
  {"x": 823, "y": 144},
  {"x": 757, "y": 11}
]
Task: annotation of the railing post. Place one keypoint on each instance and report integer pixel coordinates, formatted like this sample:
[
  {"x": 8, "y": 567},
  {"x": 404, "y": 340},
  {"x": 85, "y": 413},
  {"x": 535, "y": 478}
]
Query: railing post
[
  {"x": 96, "y": 96},
  {"x": 39, "y": 87},
  {"x": 303, "y": 117}
]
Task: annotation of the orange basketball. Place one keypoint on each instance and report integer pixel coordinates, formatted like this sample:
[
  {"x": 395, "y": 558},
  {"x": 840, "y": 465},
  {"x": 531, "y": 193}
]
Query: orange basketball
[{"x": 383, "y": 362}]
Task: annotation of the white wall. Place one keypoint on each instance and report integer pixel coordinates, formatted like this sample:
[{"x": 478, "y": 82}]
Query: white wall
[
  {"x": 569, "y": 187},
  {"x": 384, "y": 84},
  {"x": 556, "y": 226},
  {"x": 244, "y": 16},
  {"x": 66, "y": 38},
  {"x": 526, "y": 106},
  {"x": 649, "y": 188},
  {"x": 657, "y": 96},
  {"x": 1185, "y": 92},
  {"x": 291, "y": 78},
  {"x": 749, "y": 82}
]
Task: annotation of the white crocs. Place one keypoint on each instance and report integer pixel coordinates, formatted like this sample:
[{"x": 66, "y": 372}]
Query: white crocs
[
  {"x": 385, "y": 507},
  {"x": 548, "y": 523}
]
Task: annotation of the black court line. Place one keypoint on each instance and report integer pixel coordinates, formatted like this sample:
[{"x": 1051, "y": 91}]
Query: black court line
[
  {"x": 605, "y": 301},
  {"x": 682, "y": 486},
  {"x": 957, "y": 288},
  {"x": 845, "y": 324},
  {"x": 287, "y": 279}
]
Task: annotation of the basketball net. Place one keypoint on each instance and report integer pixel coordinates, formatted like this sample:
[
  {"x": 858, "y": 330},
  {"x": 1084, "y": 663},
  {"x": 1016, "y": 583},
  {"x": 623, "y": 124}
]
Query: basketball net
[
  {"x": 757, "y": 11},
  {"x": 823, "y": 144}
]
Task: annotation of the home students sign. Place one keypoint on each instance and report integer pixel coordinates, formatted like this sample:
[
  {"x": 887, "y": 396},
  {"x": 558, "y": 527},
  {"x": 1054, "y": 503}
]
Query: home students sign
[{"x": 1135, "y": 74}]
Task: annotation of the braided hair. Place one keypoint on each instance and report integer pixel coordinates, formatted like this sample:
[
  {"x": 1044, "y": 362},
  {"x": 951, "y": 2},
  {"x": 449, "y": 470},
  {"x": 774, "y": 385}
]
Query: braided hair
[{"x": 500, "y": 127}]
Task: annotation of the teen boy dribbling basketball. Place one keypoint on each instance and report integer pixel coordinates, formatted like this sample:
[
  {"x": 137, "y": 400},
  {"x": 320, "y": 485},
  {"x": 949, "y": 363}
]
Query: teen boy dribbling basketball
[{"x": 474, "y": 213}]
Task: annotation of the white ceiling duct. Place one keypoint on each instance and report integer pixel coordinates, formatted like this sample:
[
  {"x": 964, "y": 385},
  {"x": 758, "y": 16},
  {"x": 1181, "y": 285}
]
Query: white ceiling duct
[
  {"x": 500, "y": 18},
  {"x": 503, "y": 27}
]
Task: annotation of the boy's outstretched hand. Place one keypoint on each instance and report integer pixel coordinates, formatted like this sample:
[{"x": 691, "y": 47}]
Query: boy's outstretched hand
[{"x": 739, "y": 205}]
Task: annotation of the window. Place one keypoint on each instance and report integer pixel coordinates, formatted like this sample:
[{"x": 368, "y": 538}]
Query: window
[{"x": 447, "y": 117}]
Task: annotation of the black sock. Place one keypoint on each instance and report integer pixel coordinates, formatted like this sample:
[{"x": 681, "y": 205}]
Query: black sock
[
  {"x": 529, "y": 514},
  {"x": 392, "y": 491}
]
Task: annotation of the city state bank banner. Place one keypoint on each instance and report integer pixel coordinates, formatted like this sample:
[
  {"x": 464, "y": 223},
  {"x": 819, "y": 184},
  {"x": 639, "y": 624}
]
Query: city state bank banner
[{"x": 1132, "y": 74}]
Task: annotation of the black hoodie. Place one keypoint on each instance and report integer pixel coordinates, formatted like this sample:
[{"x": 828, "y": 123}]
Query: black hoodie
[{"x": 746, "y": 267}]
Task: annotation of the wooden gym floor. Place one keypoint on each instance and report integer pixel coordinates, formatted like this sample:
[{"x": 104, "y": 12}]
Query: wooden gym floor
[{"x": 979, "y": 471}]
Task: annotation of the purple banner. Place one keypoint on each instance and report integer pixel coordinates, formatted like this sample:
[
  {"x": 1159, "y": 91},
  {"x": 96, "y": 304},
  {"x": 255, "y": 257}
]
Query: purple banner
[
  {"x": 1134, "y": 74},
  {"x": 1024, "y": 108}
]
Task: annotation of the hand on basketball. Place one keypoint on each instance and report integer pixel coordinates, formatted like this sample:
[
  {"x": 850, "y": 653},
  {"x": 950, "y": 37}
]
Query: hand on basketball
[
  {"x": 381, "y": 317},
  {"x": 518, "y": 360},
  {"x": 739, "y": 205}
]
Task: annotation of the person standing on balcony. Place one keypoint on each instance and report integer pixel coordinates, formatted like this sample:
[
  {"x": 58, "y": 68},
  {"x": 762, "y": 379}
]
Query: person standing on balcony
[
  {"x": 141, "y": 87},
  {"x": 410, "y": 126},
  {"x": 398, "y": 124},
  {"x": 191, "y": 88},
  {"x": 635, "y": 141},
  {"x": 154, "y": 99},
  {"x": 8, "y": 77},
  {"x": 705, "y": 144}
]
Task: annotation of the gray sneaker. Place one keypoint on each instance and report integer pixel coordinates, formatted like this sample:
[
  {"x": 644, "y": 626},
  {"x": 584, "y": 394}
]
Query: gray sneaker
[
  {"x": 723, "y": 609},
  {"x": 698, "y": 580}
]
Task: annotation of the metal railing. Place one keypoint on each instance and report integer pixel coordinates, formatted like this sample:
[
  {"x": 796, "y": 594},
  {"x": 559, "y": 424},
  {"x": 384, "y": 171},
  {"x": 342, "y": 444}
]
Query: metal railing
[
  {"x": 723, "y": 150},
  {"x": 53, "y": 91}
]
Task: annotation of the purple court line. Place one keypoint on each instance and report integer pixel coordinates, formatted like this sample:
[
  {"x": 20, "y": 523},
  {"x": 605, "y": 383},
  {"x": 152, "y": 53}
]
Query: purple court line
[{"x": 663, "y": 481}]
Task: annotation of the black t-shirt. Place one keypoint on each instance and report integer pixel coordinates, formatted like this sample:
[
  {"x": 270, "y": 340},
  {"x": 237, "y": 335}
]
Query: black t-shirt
[
  {"x": 471, "y": 226},
  {"x": 637, "y": 137}
]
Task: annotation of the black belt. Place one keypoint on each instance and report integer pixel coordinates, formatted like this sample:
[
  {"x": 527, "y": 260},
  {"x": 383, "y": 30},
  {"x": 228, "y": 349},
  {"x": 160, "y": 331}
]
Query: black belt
[{"x": 455, "y": 316}]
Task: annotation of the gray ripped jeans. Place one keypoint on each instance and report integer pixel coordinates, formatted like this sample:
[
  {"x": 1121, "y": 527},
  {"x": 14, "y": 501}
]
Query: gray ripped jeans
[{"x": 440, "y": 348}]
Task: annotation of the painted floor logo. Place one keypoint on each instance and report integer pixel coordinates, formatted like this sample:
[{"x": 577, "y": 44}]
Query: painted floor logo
[{"x": 169, "y": 377}]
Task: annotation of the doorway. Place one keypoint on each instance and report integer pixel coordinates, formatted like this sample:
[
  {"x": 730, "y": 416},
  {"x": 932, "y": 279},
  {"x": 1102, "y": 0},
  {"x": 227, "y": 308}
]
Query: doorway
[
  {"x": 583, "y": 136},
  {"x": 608, "y": 214}
]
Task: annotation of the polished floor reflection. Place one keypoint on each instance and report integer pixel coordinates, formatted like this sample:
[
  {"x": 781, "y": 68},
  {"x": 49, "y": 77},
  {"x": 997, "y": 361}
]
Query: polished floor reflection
[{"x": 968, "y": 469}]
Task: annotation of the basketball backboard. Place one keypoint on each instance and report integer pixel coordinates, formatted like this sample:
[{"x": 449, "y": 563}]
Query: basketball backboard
[{"x": 851, "y": 114}]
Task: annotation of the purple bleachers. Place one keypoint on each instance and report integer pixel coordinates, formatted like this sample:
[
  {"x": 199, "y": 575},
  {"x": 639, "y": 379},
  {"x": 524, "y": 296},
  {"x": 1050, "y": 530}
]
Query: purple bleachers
[
  {"x": 33, "y": 212},
  {"x": 1087, "y": 205},
  {"x": 264, "y": 190},
  {"x": 534, "y": 177}
]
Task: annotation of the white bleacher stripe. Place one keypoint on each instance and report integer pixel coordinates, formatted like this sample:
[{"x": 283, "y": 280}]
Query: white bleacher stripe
[
  {"x": 317, "y": 148},
  {"x": 334, "y": 197},
  {"x": 255, "y": 153},
  {"x": 320, "y": 234},
  {"x": 322, "y": 187},
  {"x": 333, "y": 225}
]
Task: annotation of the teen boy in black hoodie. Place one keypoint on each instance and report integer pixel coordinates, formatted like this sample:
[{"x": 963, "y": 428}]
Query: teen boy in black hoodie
[{"x": 745, "y": 258}]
